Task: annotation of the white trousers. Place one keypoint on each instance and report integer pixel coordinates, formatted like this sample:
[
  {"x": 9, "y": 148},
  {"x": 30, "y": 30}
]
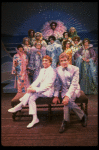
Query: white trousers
[{"x": 30, "y": 98}]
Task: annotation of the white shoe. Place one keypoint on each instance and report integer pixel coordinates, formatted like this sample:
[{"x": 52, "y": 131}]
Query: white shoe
[
  {"x": 33, "y": 123},
  {"x": 15, "y": 109}
]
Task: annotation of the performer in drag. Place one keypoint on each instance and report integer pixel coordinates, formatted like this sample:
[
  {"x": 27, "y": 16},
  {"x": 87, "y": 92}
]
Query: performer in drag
[{"x": 55, "y": 28}]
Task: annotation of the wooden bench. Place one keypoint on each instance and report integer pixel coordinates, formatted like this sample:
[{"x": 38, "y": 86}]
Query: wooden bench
[{"x": 47, "y": 103}]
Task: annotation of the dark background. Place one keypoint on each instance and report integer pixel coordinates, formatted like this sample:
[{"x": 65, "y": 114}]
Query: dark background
[{"x": 18, "y": 17}]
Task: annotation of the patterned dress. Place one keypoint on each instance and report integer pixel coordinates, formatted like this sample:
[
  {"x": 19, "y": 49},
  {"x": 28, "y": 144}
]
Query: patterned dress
[
  {"x": 88, "y": 71},
  {"x": 35, "y": 63},
  {"x": 21, "y": 79}
]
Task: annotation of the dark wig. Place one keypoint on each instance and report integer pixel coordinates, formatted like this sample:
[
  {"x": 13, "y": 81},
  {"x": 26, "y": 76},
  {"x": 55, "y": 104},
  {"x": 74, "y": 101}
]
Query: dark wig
[
  {"x": 20, "y": 45},
  {"x": 52, "y": 37},
  {"x": 29, "y": 31}
]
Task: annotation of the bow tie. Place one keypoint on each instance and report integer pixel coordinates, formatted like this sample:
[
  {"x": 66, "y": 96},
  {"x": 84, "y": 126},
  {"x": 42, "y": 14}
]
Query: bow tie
[{"x": 65, "y": 69}]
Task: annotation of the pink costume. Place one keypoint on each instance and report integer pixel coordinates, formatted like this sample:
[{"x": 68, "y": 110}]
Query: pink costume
[
  {"x": 58, "y": 32},
  {"x": 21, "y": 80}
]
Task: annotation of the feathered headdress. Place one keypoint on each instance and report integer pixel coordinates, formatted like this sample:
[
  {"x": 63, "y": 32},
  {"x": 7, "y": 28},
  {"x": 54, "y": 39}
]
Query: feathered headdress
[{"x": 48, "y": 31}]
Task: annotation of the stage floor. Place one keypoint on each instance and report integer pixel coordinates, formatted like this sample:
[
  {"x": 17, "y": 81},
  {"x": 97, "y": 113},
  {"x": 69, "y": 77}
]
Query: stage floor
[{"x": 45, "y": 133}]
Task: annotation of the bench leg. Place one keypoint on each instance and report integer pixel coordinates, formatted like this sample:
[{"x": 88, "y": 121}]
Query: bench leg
[{"x": 13, "y": 116}]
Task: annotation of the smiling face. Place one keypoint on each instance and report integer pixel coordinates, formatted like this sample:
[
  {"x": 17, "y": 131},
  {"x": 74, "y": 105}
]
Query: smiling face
[
  {"x": 46, "y": 62},
  {"x": 64, "y": 62}
]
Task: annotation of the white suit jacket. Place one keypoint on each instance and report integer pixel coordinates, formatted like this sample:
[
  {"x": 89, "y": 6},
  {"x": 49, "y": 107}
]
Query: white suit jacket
[
  {"x": 45, "y": 82},
  {"x": 69, "y": 80}
]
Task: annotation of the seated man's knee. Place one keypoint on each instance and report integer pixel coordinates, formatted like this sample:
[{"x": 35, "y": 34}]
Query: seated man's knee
[{"x": 32, "y": 98}]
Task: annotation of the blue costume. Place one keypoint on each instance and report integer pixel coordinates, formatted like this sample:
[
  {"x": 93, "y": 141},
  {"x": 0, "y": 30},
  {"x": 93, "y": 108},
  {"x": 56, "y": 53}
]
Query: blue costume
[
  {"x": 54, "y": 50},
  {"x": 88, "y": 72}
]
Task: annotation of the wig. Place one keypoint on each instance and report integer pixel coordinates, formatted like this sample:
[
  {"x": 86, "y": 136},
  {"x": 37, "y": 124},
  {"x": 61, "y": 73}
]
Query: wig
[{"x": 29, "y": 31}]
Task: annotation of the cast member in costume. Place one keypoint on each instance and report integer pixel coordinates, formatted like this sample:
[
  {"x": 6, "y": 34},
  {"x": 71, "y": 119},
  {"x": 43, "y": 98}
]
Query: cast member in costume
[
  {"x": 54, "y": 50},
  {"x": 67, "y": 50},
  {"x": 55, "y": 28},
  {"x": 39, "y": 39},
  {"x": 19, "y": 69},
  {"x": 31, "y": 34},
  {"x": 72, "y": 32},
  {"x": 66, "y": 37},
  {"x": 35, "y": 63},
  {"x": 27, "y": 46},
  {"x": 86, "y": 60},
  {"x": 76, "y": 45}
]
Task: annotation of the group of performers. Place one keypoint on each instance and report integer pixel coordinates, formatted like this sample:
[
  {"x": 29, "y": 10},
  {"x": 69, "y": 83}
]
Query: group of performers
[
  {"x": 51, "y": 62},
  {"x": 53, "y": 40}
]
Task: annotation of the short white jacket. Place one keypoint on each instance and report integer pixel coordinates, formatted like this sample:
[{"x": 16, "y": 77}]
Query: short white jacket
[{"x": 45, "y": 82}]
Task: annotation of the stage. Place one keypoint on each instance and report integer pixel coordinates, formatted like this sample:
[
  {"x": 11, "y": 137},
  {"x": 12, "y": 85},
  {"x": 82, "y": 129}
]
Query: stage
[{"x": 45, "y": 133}]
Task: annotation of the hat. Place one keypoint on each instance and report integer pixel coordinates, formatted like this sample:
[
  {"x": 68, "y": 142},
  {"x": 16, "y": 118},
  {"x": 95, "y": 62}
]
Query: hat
[{"x": 38, "y": 34}]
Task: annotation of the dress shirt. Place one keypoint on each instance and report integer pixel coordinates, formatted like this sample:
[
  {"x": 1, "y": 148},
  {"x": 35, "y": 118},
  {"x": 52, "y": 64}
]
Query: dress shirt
[{"x": 45, "y": 80}]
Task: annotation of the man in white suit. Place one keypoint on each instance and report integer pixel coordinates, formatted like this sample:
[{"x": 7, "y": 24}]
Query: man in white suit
[
  {"x": 43, "y": 86},
  {"x": 68, "y": 79}
]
